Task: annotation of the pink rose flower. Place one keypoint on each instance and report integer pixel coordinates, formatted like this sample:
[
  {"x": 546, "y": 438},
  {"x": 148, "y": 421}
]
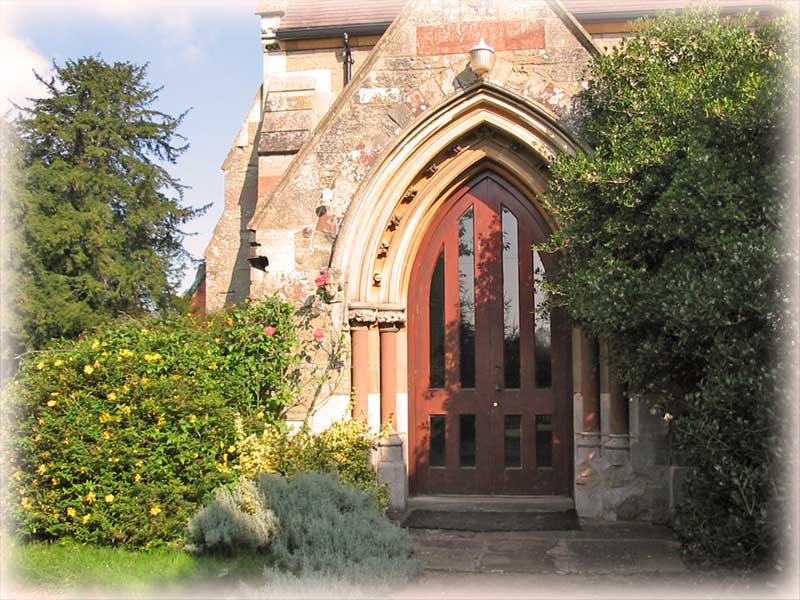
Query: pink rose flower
[
  {"x": 321, "y": 280},
  {"x": 269, "y": 331},
  {"x": 318, "y": 334}
]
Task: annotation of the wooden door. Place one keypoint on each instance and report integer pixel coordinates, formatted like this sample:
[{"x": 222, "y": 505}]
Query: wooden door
[{"x": 489, "y": 376}]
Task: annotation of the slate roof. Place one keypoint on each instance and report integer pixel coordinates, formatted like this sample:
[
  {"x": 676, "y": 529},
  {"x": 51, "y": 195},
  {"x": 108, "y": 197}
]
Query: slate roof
[{"x": 304, "y": 15}]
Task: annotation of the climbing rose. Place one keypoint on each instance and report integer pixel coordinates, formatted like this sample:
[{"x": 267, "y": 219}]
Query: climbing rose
[
  {"x": 321, "y": 280},
  {"x": 269, "y": 331},
  {"x": 318, "y": 334}
]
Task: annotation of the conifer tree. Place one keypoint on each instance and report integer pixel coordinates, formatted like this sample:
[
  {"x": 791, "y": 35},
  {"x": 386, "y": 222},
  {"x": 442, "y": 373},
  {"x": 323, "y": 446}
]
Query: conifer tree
[{"x": 99, "y": 217}]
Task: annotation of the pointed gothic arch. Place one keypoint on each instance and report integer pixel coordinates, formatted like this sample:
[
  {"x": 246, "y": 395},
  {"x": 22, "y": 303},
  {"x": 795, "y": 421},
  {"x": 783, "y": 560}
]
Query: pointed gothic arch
[{"x": 382, "y": 228}]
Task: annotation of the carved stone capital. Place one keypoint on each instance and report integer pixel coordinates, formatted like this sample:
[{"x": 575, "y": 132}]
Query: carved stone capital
[
  {"x": 391, "y": 315},
  {"x": 362, "y": 315}
]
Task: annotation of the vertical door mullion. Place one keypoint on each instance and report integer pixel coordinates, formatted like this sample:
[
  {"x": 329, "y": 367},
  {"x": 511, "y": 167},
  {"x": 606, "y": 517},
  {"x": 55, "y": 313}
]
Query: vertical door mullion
[{"x": 451, "y": 349}]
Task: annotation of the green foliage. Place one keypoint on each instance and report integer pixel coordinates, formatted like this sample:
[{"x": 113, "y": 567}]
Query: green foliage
[
  {"x": 671, "y": 249},
  {"x": 331, "y": 529},
  {"x": 83, "y": 570},
  {"x": 117, "y": 438},
  {"x": 342, "y": 448},
  {"x": 234, "y": 520},
  {"x": 99, "y": 218}
]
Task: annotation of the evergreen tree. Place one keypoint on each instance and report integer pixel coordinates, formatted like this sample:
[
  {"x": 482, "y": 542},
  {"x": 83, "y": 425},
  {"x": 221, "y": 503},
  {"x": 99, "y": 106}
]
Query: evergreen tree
[{"x": 98, "y": 218}]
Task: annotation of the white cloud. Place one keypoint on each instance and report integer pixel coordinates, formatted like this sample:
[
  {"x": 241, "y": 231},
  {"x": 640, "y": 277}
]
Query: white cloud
[
  {"x": 172, "y": 20},
  {"x": 17, "y": 81}
]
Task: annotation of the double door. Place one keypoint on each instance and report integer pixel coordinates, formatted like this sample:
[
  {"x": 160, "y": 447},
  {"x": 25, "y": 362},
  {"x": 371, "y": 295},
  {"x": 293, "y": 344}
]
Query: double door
[{"x": 488, "y": 362}]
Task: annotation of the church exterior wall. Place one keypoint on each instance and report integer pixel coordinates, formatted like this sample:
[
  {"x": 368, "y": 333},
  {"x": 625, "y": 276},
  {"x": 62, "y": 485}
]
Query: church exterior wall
[{"x": 306, "y": 162}]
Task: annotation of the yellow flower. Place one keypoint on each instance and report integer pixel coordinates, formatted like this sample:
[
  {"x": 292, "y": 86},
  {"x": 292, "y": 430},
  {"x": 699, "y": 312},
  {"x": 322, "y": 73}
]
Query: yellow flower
[
  {"x": 88, "y": 369},
  {"x": 138, "y": 463},
  {"x": 126, "y": 388},
  {"x": 229, "y": 321},
  {"x": 260, "y": 415},
  {"x": 58, "y": 363},
  {"x": 111, "y": 396},
  {"x": 54, "y": 481},
  {"x": 86, "y": 518},
  {"x": 160, "y": 421},
  {"x": 109, "y": 498},
  {"x": 51, "y": 403},
  {"x": 26, "y": 503},
  {"x": 212, "y": 367},
  {"x": 73, "y": 395},
  {"x": 192, "y": 418},
  {"x": 177, "y": 377},
  {"x": 105, "y": 435},
  {"x": 231, "y": 449},
  {"x": 104, "y": 418},
  {"x": 155, "y": 510},
  {"x": 40, "y": 365},
  {"x": 145, "y": 380},
  {"x": 217, "y": 340},
  {"x": 125, "y": 353},
  {"x": 41, "y": 470},
  {"x": 125, "y": 409},
  {"x": 18, "y": 475},
  {"x": 71, "y": 512},
  {"x": 90, "y": 497},
  {"x": 145, "y": 331},
  {"x": 137, "y": 478},
  {"x": 54, "y": 394},
  {"x": 95, "y": 345}
]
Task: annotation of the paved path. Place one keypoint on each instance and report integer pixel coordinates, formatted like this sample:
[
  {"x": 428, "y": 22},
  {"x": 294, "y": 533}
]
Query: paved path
[
  {"x": 601, "y": 560},
  {"x": 597, "y": 548}
]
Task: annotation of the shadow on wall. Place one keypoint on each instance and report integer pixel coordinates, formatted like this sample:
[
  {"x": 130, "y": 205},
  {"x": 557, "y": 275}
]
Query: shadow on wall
[{"x": 238, "y": 287}]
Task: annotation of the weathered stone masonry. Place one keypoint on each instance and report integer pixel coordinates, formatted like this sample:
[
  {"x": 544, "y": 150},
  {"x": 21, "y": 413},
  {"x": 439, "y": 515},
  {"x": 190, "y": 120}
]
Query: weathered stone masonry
[{"x": 343, "y": 180}]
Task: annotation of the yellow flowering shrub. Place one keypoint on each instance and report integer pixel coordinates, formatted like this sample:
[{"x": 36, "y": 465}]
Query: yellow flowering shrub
[
  {"x": 118, "y": 438},
  {"x": 343, "y": 448}
]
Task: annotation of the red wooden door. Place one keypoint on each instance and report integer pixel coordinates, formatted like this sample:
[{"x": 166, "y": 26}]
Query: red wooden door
[{"x": 489, "y": 374}]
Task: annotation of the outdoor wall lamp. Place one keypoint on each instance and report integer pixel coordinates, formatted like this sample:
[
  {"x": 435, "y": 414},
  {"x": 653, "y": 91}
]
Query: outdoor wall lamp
[{"x": 481, "y": 58}]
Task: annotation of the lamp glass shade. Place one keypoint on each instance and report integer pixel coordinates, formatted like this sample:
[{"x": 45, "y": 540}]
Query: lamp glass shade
[{"x": 481, "y": 58}]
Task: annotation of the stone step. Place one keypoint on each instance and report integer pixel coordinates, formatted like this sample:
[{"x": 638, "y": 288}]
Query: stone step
[{"x": 477, "y": 503}]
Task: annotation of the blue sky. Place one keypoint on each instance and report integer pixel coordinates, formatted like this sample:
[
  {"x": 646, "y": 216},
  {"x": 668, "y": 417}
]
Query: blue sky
[{"x": 205, "y": 54}]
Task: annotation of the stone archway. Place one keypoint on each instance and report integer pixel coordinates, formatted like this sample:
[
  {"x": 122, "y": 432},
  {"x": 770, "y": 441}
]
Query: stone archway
[{"x": 390, "y": 213}]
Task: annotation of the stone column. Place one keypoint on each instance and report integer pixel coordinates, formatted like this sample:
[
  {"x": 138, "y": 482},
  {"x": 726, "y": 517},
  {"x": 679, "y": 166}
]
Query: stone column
[
  {"x": 390, "y": 319},
  {"x": 589, "y": 464},
  {"x": 388, "y": 374},
  {"x": 614, "y": 411},
  {"x": 360, "y": 317},
  {"x": 391, "y": 466},
  {"x": 586, "y": 382}
]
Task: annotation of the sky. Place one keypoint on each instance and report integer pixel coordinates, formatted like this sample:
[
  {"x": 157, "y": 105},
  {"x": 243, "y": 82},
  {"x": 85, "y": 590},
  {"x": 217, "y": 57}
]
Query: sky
[{"x": 205, "y": 53}]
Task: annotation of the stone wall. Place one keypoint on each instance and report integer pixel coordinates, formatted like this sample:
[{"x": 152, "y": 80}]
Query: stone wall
[
  {"x": 420, "y": 62},
  {"x": 309, "y": 147}
]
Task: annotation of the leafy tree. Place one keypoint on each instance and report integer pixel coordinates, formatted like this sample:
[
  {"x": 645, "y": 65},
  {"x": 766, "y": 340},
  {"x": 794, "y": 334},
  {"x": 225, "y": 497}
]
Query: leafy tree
[
  {"x": 99, "y": 220},
  {"x": 671, "y": 240}
]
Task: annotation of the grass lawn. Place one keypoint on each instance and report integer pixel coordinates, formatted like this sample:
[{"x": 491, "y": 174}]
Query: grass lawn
[{"x": 65, "y": 566}]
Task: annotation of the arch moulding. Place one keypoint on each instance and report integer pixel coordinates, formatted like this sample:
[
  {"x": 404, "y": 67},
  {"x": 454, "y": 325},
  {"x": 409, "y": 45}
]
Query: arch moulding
[{"x": 484, "y": 127}]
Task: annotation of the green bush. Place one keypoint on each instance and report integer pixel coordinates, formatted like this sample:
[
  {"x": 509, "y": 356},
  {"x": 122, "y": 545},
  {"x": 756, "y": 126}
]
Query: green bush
[
  {"x": 117, "y": 438},
  {"x": 671, "y": 248},
  {"x": 329, "y": 529},
  {"x": 234, "y": 520},
  {"x": 342, "y": 448}
]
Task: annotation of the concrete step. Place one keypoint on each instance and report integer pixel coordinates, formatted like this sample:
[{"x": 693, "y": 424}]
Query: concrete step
[{"x": 469, "y": 503}]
